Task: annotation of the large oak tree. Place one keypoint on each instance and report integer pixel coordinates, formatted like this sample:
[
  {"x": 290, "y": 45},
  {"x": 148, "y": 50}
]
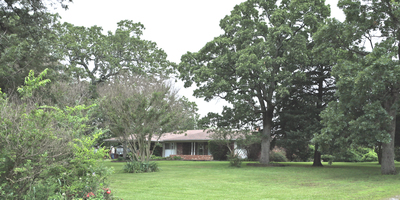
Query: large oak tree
[
  {"x": 368, "y": 83},
  {"x": 252, "y": 64}
]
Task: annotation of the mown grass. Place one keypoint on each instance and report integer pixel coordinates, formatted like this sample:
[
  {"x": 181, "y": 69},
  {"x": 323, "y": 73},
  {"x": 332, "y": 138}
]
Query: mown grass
[{"x": 215, "y": 180}]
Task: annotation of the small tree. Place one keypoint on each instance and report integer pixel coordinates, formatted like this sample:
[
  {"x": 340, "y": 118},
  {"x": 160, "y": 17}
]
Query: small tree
[{"x": 140, "y": 110}]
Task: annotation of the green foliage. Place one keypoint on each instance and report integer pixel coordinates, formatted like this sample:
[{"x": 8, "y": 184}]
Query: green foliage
[
  {"x": 32, "y": 83},
  {"x": 138, "y": 109},
  {"x": 218, "y": 150},
  {"x": 278, "y": 157},
  {"x": 154, "y": 157},
  {"x": 140, "y": 167},
  {"x": 47, "y": 152},
  {"x": 176, "y": 158},
  {"x": 234, "y": 160},
  {"x": 255, "y": 62},
  {"x": 352, "y": 155},
  {"x": 367, "y": 82},
  {"x": 371, "y": 156},
  {"x": 112, "y": 54},
  {"x": 28, "y": 41}
]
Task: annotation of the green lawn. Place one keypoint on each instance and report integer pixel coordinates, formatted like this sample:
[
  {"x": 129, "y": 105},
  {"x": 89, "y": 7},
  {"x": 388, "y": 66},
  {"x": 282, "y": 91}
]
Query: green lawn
[{"x": 215, "y": 180}]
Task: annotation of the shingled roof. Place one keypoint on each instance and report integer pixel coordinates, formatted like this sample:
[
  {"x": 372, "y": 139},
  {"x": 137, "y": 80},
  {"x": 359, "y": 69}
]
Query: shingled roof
[{"x": 189, "y": 135}]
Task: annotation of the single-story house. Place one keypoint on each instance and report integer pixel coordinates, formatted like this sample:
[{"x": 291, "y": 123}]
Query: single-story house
[{"x": 189, "y": 145}]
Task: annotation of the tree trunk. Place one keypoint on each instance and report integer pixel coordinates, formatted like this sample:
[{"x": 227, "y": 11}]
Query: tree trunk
[
  {"x": 378, "y": 151},
  {"x": 317, "y": 154},
  {"x": 266, "y": 137},
  {"x": 317, "y": 157},
  {"x": 124, "y": 146},
  {"x": 387, "y": 166}
]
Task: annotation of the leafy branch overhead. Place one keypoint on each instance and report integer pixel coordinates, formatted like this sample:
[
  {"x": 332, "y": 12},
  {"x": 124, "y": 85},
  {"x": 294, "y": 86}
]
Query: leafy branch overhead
[
  {"x": 32, "y": 83},
  {"x": 92, "y": 54}
]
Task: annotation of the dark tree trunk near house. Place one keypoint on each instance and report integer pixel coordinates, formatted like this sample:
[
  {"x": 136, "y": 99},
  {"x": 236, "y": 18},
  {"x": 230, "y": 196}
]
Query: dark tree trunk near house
[
  {"x": 317, "y": 157},
  {"x": 378, "y": 151}
]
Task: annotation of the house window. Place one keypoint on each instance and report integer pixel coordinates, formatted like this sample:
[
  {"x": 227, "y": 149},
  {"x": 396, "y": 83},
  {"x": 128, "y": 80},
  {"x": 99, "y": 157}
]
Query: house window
[
  {"x": 169, "y": 146},
  {"x": 201, "y": 148}
]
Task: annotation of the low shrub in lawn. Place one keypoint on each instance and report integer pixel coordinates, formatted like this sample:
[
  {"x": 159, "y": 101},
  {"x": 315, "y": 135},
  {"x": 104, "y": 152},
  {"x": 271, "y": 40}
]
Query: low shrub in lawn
[
  {"x": 277, "y": 157},
  {"x": 371, "y": 156},
  {"x": 140, "y": 167},
  {"x": 234, "y": 161},
  {"x": 153, "y": 157},
  {"x": 176, "y": 158}
]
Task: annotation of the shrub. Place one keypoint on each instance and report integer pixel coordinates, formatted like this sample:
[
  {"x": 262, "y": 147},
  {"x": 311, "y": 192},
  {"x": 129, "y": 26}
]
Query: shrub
[
  {"x": 371, "y": 156},
  {"x": 177, "y": 158},
  {"x": 277, "y": 157},
  {"x": 253, "y": 151},
  {"x": 153, "y": 157},
  {"x": 351, "y": 155},
  {"x": 234, "y": 161},
  {"x": 140, "y": 167},
  {"x": 328, "y": 158},
  {"x": 218, "y": 151}
]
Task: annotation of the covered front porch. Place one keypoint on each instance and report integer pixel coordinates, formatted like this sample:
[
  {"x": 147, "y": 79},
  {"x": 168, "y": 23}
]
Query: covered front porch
[{"x": 194, "y": 150}]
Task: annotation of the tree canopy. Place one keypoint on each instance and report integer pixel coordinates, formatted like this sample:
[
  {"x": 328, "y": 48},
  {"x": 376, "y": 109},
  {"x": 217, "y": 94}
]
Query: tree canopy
[
  {"x": 99, "y": 57},
  {"x": 368, "y": 83},
  {"x": 27, "y": 40},
  {"x": 253, "y": 63}
]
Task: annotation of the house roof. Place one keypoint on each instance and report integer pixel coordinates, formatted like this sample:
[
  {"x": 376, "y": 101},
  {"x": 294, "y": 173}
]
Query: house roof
[{"x": 189, "y": 135}]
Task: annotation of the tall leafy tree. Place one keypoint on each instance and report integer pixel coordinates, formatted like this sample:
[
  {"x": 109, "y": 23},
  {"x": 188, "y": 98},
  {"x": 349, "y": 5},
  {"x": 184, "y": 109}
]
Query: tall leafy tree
[
  {"x": 252, "y": 64},
  {"x": 368, "y": 84},
  {"x": 27, "y": 40},
  {"x": 99, "y": 57},
  {"x": 299, "y": 112}
]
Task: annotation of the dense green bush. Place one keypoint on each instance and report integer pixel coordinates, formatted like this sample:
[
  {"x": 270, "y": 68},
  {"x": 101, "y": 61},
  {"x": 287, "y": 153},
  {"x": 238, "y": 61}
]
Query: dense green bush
[
  {"x": 177, "y": 158},
  {"x": 234, "y": 161},
  {"x": 154, "y": 157},
  {"x": 218, "y": 151},
  {"x": 253, "y": 151},
  {"x": 157, "y": 150},
  {"x": 353, "y": 155},
  {"x": 140, "y": 167},
  {"x": 371, "y": 156},
  {"x": 277, "y": 157}
]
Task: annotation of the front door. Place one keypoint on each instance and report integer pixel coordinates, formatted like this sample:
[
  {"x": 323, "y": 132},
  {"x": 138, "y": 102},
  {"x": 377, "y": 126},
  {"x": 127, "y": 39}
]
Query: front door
[{"x": 169, "y": 149}]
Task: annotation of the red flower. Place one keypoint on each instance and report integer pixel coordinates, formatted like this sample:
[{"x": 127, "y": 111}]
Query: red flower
[{"x": 90, "y": 194}]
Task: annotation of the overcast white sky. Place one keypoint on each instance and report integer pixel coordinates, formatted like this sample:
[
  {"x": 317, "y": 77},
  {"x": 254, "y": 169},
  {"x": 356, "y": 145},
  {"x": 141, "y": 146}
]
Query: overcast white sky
[{"x": 177, "y": 26}]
